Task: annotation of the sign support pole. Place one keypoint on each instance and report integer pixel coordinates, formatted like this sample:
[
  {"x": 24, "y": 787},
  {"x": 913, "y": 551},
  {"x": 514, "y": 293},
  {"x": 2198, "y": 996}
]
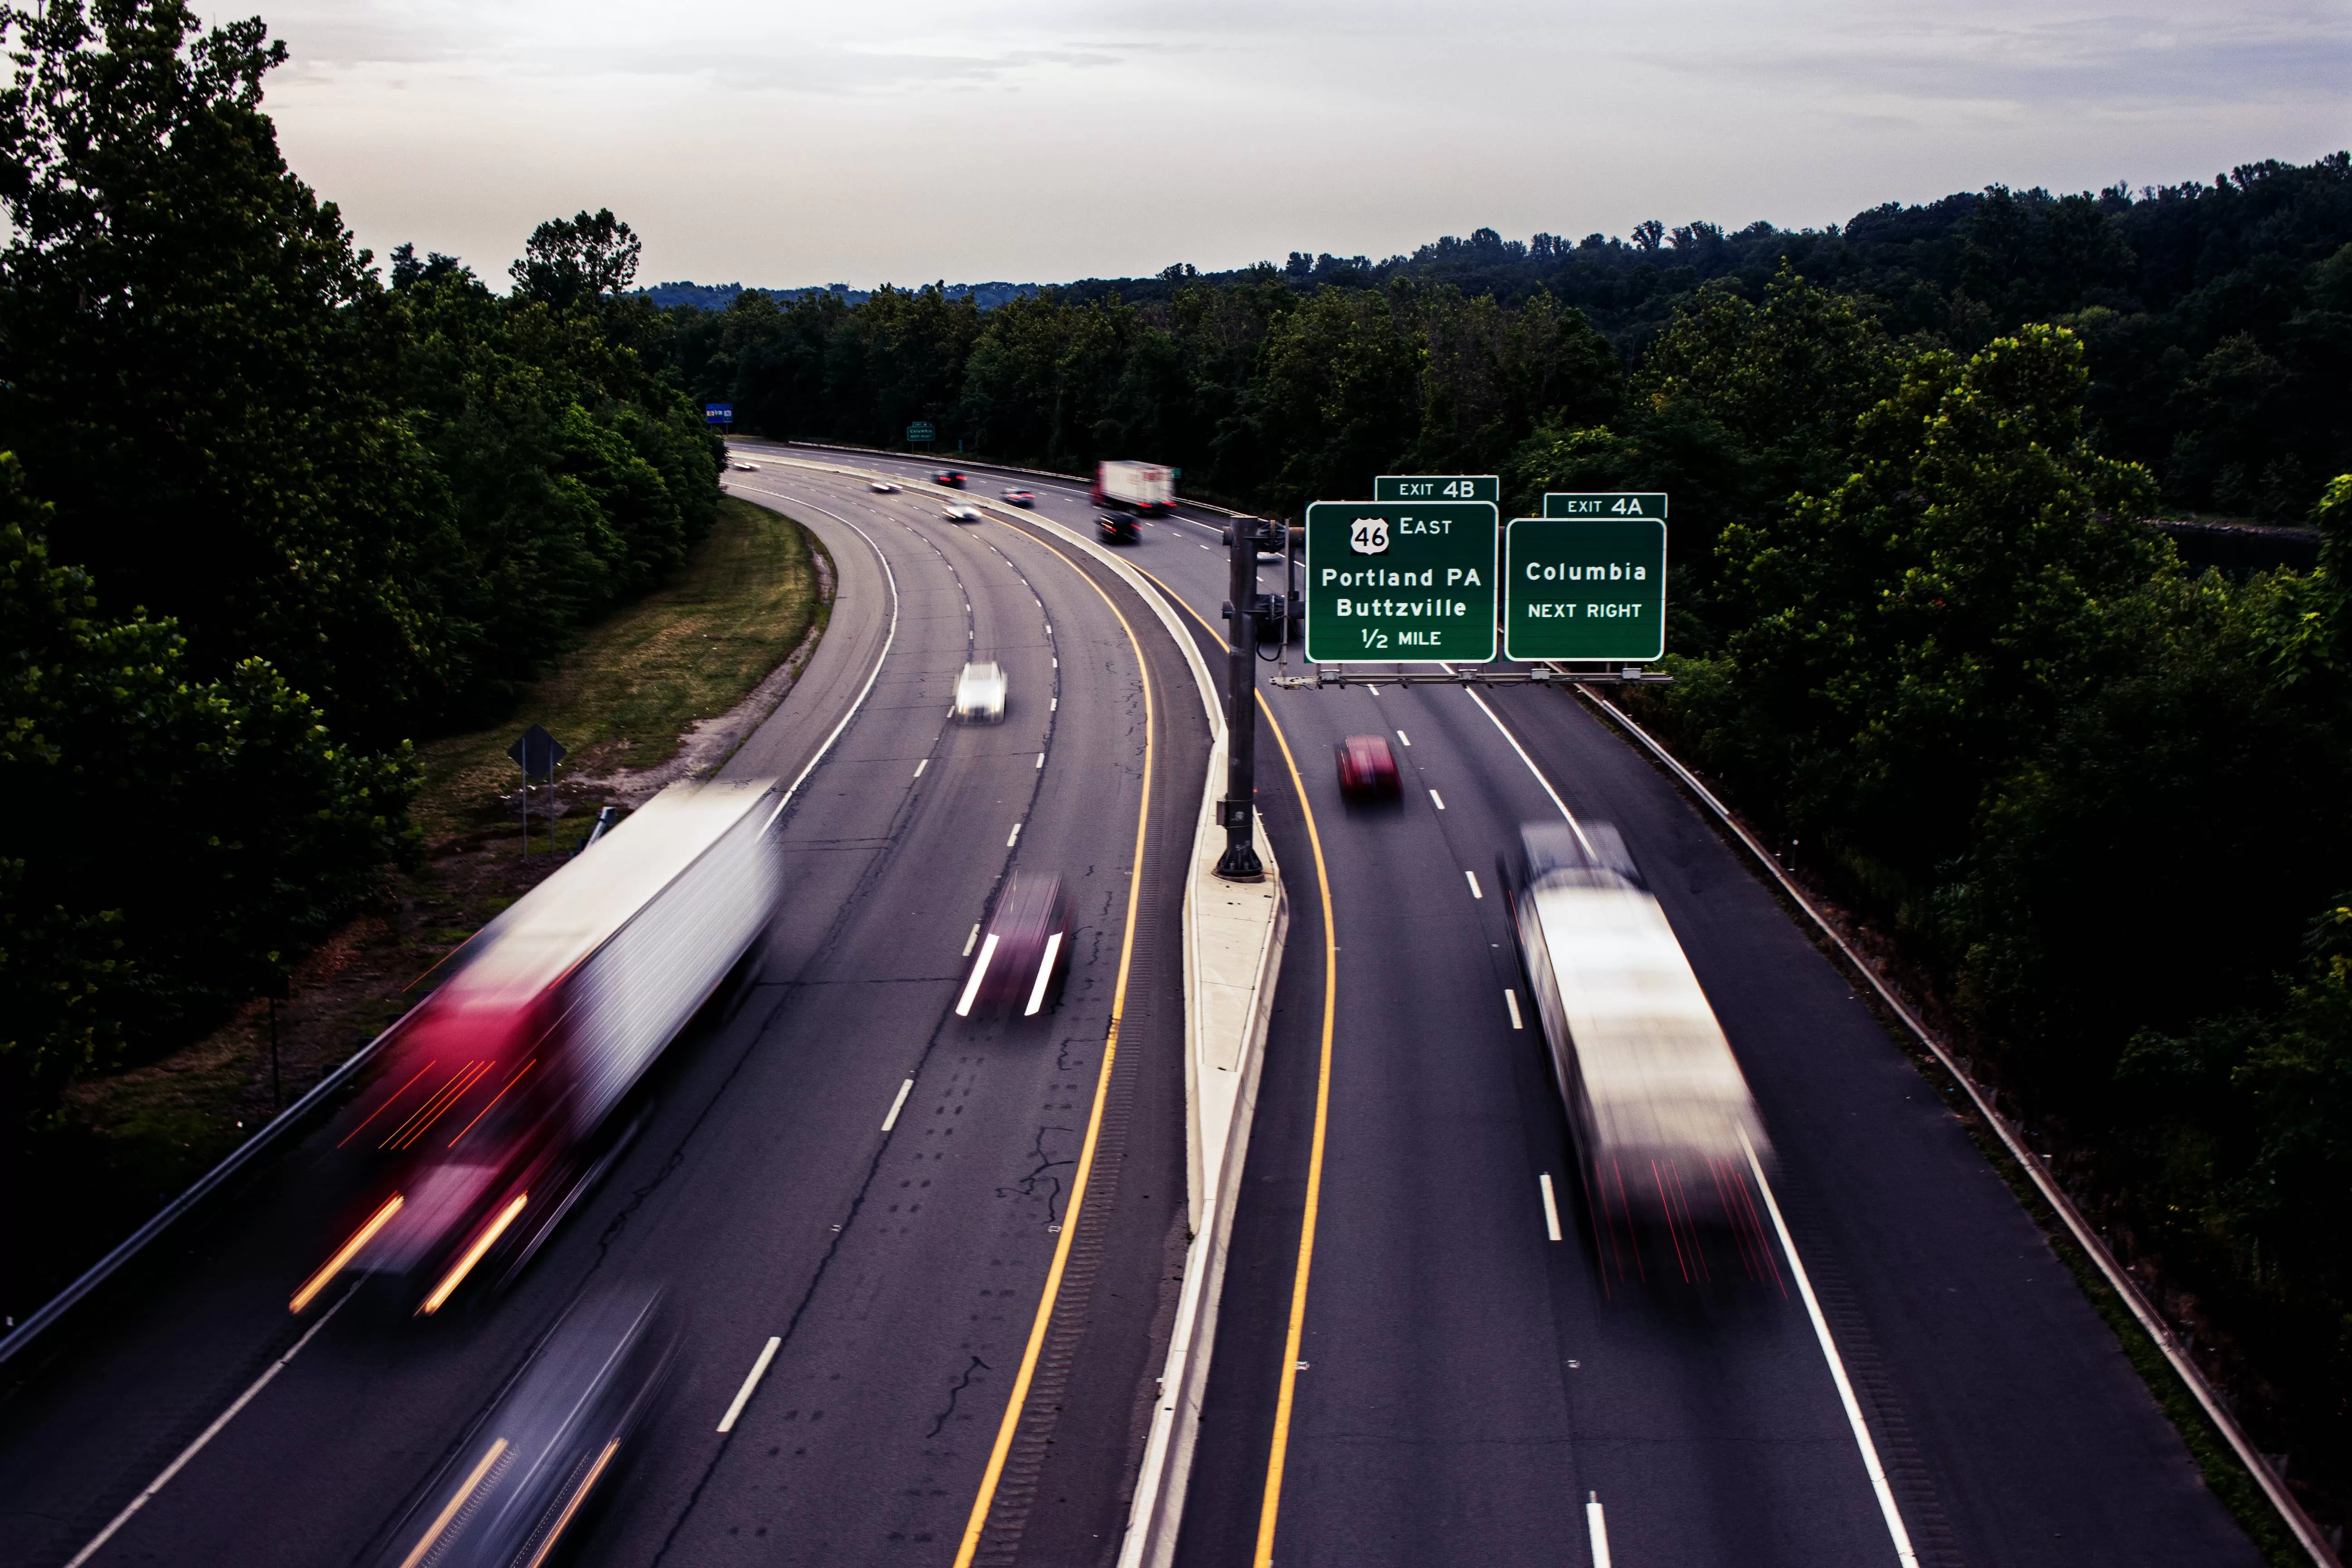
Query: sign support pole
[{"x": 1238, "y": 810}]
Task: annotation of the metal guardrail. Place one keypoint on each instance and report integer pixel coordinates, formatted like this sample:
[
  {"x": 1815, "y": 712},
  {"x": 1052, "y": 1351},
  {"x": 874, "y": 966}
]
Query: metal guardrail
[
  {"x": 2305, "y": 1532},
  {"x": 172, "y": 1213}
]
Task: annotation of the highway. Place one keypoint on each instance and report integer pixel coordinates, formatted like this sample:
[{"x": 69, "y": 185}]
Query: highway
[
  {"x": 188, "y": 1418},
  {"x": 1464, "y": 1390}
]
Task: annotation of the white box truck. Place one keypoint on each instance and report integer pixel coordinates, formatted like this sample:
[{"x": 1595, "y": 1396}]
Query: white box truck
[
  {"x": 1661, "y": 1114},
  {"x": 1145, "y": 488}
]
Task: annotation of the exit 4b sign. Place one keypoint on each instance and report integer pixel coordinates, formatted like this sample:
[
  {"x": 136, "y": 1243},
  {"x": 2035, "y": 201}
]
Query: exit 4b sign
[
  {"x": 1438, "y": 487},
  {"x": 1401, "y": 582}
]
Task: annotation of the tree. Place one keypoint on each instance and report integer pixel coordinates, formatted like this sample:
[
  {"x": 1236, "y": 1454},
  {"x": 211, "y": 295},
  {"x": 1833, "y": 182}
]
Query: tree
[
  {"x": 195, "y": 362},
  {"x": 582, "y": 258},
  {"x": 166, "y": 838}
]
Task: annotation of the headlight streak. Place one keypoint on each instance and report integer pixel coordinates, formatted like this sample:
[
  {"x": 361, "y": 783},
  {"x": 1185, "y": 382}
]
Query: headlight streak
[
  {"x": 417, "y": 1552},
  {"x": 979, "y": 973},
  {"x": 587, "y": 1485},
  {"x": 1044, "y": 975},
  {"x": 344, "y": 1253},
  {"x": 482, "y": 1243}
]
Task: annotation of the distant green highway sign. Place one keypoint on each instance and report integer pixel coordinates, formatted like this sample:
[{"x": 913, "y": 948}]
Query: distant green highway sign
[
  {"x": 1580, "y": 587},
  {"x": 1438, "y": 487},
  {"x": 1401, "y": 582},
  {"x": 1605, "y": 503},
  {"x": 922, "y": 430}
]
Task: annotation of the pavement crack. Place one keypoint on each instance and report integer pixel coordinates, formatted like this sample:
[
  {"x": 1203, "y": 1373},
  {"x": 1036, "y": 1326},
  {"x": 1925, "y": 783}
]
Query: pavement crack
[
  {"x": 955, "y": 1391},
  {"x": 1038, "y": 1182}
]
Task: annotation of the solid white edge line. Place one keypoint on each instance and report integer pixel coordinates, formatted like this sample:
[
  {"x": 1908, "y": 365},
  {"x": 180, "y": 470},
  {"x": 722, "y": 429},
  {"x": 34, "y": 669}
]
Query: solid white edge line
[
  {"x": 1511, "y": 1000},
  {"x": 970, "y": 941},
  {"x": 1551, "y": 1206},
  {"x": 2307, "y": 1533},
  {"x": 1501, "y": 729},
  {"x": 1878, "y": 1482},
  {"x": 898, "y": 1105},
  {"x": 979, "y": 971},
  {"x": 1596, "y": 1530},
  {"x": 1475, "y": 891},
  {"x": 750, "y": 1382},
  {"x": 207, "y": 1435},
  {"x": 1014, "y": 838},
  {"x": 1045, "y": 972},
  {"x": 873, "y": 675}
]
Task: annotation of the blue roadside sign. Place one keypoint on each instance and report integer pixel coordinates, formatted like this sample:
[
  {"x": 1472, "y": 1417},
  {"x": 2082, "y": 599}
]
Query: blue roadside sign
[{"x": 719, "y": 414}]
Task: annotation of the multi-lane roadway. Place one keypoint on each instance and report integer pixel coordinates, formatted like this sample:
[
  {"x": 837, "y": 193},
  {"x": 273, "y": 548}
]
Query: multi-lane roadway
[
  {"x": 1438, "y": 1380},
  {"x": 902, "y": 1272},
  {"x": 1463, "y": 1388}
]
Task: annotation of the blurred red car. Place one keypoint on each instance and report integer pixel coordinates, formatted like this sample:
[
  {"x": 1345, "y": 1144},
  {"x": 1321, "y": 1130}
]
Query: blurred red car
[
  {"x": 1024, "y": 953},
  {"x": 1368, "y": 769}
]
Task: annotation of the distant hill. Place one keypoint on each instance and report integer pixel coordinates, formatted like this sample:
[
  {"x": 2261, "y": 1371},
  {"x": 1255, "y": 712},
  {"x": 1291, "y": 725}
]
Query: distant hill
[{"x": 719, "y": 296}]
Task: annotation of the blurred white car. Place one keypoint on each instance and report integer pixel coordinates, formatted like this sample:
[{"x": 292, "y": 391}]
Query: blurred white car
[
  {"x": 745, "y": 468},
  {"x": 980, "y": 693},
  {"x": 961, "y": 513},
  {"x": 882, "y": 486}
]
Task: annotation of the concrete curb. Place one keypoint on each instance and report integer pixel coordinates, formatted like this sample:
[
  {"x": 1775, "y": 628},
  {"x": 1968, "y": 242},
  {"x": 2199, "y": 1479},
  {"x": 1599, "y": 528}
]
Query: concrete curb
[{"x": 1234, "y": 937}]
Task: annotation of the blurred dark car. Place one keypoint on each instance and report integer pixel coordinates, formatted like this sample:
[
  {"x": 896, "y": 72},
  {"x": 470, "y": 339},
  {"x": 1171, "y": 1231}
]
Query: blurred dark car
[
  {"x": 1116, "y": 527},
  {"x": 531, "y": 1468},
  {"x": 950, "y": 477},
  {"x": 1368, "y": 770},
  {"x": 1020, "y": 497},
  {"x": 1024, "y": 954}
]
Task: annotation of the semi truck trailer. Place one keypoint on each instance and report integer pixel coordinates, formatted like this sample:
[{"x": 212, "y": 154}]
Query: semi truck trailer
[{"x": 497, "y": 1103}]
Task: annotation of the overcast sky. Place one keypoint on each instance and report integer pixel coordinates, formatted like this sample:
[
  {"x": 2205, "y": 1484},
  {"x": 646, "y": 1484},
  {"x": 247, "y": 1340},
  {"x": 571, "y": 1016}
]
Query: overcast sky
[{"x": 783, "y": 144}]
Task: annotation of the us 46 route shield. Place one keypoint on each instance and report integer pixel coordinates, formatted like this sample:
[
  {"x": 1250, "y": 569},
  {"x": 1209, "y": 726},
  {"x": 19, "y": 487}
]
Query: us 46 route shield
[{"x": 1401, "y": 582}]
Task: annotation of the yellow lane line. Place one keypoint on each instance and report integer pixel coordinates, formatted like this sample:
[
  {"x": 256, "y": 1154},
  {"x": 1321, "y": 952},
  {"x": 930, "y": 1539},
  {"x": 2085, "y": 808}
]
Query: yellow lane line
[
  {"x": 1021, "y": 1380},
  {"x": 1270, "y": 1509}
]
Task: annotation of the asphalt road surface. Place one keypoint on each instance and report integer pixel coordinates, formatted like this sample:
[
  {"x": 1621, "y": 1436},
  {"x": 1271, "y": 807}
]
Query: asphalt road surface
[
  {"x": 902, "y": 1272},
  {"x": 1465, "y": 1392}
]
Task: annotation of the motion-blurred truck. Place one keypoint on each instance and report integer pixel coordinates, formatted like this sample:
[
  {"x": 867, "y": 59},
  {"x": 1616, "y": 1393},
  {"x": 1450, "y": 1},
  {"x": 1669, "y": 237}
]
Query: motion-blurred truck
[
  {"x": 1145, "y": 488},
  {"x": 1667, "y": 1133},
  {"x": 498, "y": 1101}
]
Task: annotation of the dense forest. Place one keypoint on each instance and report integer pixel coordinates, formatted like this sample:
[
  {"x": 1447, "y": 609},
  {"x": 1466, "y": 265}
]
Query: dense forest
[
  {"x": 1921, "y": 628},
  {"x": 2213, "y": 316},
  {"x": 265, "y": 517}
]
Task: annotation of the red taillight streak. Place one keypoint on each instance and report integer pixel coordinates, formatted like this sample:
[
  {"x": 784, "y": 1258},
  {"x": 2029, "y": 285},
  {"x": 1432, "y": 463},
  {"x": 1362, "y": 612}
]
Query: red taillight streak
[
  {"x": 386, "y": 1105},
  {"x": 494, "y": 1099},
  {"x": 432, "y": 1109},
  {"x": 455, "y": 1074}
]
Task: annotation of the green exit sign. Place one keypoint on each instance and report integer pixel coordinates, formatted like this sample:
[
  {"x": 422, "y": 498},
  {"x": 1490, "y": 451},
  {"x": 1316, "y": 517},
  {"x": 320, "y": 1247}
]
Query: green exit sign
[
  {"x": 1605, "y": 503},
  {"x": 1585, "y": 588},
  {"x": 1401, "y": 582},
  {"x": 1438, "y": 487}
]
